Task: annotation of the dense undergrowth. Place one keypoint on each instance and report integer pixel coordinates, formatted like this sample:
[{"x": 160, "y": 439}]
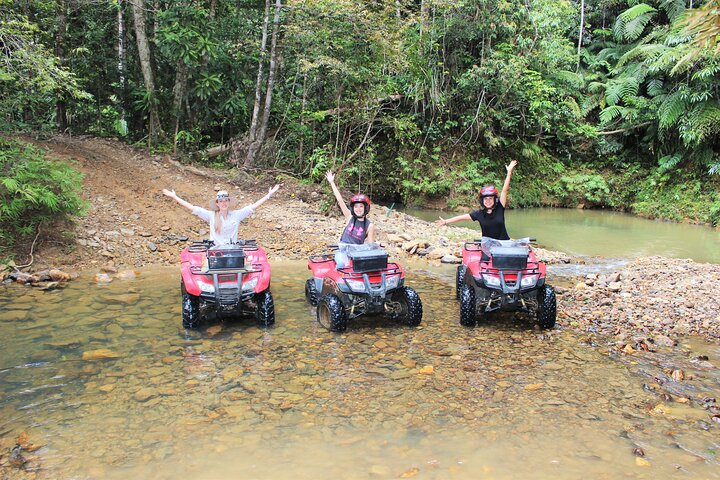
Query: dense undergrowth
[{"x": 34, "y": 191}]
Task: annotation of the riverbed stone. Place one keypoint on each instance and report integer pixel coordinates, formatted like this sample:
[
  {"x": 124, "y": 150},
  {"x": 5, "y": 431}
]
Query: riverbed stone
[{"x": 100, "y": 354}]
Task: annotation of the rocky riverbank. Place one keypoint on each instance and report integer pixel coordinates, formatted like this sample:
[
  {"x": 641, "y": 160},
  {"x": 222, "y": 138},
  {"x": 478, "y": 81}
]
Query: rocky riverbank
[{"x": 648, "y": 304}]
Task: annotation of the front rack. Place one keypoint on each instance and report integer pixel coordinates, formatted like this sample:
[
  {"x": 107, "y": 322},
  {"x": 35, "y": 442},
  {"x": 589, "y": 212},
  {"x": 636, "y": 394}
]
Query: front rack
[
  {"x": 204, "y": 245},
  {"x": 349, "y": 274}
]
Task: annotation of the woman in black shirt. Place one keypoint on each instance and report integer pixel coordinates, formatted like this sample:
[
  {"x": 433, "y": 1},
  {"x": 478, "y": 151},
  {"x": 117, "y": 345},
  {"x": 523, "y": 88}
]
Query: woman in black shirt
[{"x": 491, "y": 215}]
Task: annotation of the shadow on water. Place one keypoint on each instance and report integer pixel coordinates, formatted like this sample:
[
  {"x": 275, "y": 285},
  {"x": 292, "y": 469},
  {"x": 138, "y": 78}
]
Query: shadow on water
[{"x": 503, "y": 400}]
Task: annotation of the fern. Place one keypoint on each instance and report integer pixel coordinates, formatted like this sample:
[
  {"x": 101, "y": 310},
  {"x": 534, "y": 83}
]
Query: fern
[
  {"x": 708, "y": 71},
  {"x": 668, "y": 162},
  {"x": 671, "y": 109},
  {"x": 570, "y": 78},
  {"x": 701, "y": 124},
  {"x": 655, "y": 87},
  {"x": 611, "y": 113},
  {"x": 631, "y": 24},
  {"x": 644, "y": 52},
  {"x": 673, "y": 8},
  {"x": 589, "y": 103},
  {"x": 685, "y": 63},
  {"x": 32, "y": 190}
]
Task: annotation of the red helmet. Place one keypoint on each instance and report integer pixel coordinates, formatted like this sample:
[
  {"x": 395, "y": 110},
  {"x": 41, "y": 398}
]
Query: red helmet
[
  {"x": 488, "y": 191},
  {"x": 360, "y": 198}
]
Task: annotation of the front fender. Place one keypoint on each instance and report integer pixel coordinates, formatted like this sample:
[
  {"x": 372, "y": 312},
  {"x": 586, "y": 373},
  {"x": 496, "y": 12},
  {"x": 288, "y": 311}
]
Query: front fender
[{"x": 189, "y": 280}]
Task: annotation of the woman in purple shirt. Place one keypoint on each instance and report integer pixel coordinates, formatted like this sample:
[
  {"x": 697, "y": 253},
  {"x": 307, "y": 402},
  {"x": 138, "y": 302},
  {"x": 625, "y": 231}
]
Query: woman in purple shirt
[{"x": 359, "y": 228}]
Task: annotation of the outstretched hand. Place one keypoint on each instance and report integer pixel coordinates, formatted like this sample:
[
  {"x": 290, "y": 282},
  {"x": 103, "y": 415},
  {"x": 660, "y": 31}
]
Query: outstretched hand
[
  {"x": 441, "y": 221},
  {"x": 169, "y": 193},
  {"x": 512, "y": 166},
  {"x": 273, "y": 189},
  {"x": 330, "y": 176}
]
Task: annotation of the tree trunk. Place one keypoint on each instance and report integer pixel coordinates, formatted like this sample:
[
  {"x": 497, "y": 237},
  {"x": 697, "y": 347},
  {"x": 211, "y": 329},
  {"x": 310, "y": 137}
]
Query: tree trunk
[
  {"x": 181, "y": 77},
  {"x": 262, "y": 133},
  {"x": 121, "y": 58},
  {"x": 580, "y": 36},
  {"x": 242, "y": 141},
  {"x": 301, "y": 153},
  {"x": 61, "y": 107},
  {"x": 146, "y": 67}
]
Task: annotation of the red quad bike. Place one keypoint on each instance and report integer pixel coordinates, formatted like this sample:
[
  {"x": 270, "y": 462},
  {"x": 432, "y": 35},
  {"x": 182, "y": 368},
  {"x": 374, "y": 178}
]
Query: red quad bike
[
  {"x": 503, "y": 275},
  {"x": 228, "y": 280},
  {"x": 367, "y": 285}
]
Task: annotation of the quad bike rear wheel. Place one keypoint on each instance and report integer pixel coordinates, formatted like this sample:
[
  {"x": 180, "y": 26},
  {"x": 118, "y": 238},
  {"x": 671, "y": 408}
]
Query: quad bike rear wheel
[
  {"x": 547, "y": 307},
  {"x": 467, "y": 306},
  {"x": 190, "y": 308},
  {"x": 459, "y": 280},
  {"x": 331, "y": 313},
  {"x": 410, "y": 312},
  {"x": 265, "y": 309},
  {"x": 311, "y": 292}
]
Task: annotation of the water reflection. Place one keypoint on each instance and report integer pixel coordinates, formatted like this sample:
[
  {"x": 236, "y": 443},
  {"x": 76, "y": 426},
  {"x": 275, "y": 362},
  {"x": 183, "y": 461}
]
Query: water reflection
[{"x": 503, "y": 400}]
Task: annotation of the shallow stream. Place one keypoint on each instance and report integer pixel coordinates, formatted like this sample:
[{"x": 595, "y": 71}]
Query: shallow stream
[{"x": 441, "y": 401}]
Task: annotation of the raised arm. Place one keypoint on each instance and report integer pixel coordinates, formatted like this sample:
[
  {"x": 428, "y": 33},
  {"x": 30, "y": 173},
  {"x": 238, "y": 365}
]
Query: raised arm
[
  {"x": 345, "y": 210},
  {"x": 506, "y": 185},
  {"x": 173, "y": 195},
  {"x": 458, "y": 218},
  {"x": 264, "y": 199}
]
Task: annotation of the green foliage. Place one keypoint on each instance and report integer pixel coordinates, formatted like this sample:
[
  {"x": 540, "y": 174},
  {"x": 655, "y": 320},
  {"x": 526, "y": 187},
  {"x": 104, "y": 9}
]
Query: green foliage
[
  {"x": 582, "y": 188},
  {"x": 33, "y": 190},
  {"x": 678, "y": 197}
]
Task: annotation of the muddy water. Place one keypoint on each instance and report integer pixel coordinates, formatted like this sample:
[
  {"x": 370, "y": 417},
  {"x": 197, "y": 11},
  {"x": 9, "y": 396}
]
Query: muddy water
[
  {"x": 234, "y": 401},
  {"x": 605, "y": 234}
]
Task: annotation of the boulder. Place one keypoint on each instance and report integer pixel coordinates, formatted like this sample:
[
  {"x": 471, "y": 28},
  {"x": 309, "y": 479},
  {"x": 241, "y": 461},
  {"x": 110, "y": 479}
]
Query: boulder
[{"x": 450, "y": 259}]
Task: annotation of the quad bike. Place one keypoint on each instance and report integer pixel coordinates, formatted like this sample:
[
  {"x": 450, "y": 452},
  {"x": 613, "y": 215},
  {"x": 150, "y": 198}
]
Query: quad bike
[
  {"x": 367, "y": 285},
  {"x": 228, "y": 280},
  {"x": 503, "y": 275}
]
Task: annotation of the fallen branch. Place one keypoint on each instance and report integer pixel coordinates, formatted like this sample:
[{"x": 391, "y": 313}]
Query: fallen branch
[
  {"x": 621, "y": 130},
  {"x": 32, "y": 247}
]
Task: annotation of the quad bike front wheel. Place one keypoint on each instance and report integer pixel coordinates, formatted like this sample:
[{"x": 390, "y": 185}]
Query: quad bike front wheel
[
  {"x": 190, "y": 308},
  {"x": 265, "y": 309},
  {"x": 311, "y": 293},
  {"x": 410, "y": 307},
  {"x": 467, "y": 306},
  {"x": 459, "y": 280},
  {"x": 331, "y": 313},
  {"x": 547, "y": 307}
]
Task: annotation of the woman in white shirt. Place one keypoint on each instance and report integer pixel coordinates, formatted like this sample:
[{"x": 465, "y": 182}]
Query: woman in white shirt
[{"x": 223, "y": 221}]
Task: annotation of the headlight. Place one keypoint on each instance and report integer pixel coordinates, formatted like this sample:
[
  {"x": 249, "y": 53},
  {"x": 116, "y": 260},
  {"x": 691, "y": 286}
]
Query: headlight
[
  {"x": 206, "y": 287},
  {"x": 250, "y": 284},
  {"x": 529, "y": 281},
  {"x": 356, "y": 285},
  {"x": 392, "y": 282},
  {"x": 491, "y": 281}
]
